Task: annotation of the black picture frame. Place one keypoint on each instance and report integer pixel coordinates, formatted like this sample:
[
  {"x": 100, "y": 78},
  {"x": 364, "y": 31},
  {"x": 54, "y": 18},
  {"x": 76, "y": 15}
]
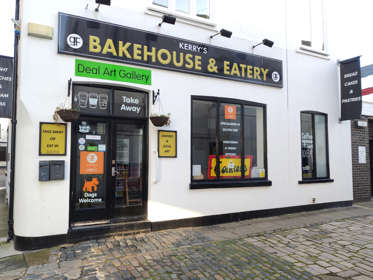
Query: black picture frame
[
  {"x": 169, "y": 131},
  {"x": 40, "y": 132}
]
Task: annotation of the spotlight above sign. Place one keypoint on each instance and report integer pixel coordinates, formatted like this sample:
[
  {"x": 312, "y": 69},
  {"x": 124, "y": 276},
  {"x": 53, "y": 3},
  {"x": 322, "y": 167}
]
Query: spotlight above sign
[
  {"x": 167, "y": 19},
  {"x": 102, "y": 2},
  {"x": 223, "y": 32},
  {"x": 265, "y": 42}
]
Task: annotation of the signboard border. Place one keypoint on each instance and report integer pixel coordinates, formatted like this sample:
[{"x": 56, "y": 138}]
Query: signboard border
[
  {"x": 40, "y": 125},
  {"x": 172, "y": 131}
]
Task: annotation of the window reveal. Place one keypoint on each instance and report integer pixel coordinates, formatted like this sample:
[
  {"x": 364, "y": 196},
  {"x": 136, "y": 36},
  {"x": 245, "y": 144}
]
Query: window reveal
[{"x": 233, "y": 133}]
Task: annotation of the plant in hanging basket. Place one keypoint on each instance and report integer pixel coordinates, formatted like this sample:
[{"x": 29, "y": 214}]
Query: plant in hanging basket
[
  {"x": 67, "y": 115},
  {"x": 160, "y": 120}
]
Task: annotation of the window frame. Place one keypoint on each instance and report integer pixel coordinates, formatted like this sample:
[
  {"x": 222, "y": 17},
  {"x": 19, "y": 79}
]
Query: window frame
[
  {"x": 314, "y": 178},
  {"x": 229, "y": 183},
  {"x": 190, "y": 17}
]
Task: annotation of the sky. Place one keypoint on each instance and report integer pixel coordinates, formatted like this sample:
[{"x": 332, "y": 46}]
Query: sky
[{"x": 348, "y": 25}]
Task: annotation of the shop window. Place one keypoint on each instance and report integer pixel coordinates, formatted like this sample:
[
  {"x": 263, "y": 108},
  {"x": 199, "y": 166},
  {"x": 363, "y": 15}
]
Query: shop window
[
  {"x": 162, "y": 3},
  {"x": 194, "y": 8},
  {"x": 228, "y": 142},
  {"x": 314, "y": 142},
  {"x": 312, "y": 25}
]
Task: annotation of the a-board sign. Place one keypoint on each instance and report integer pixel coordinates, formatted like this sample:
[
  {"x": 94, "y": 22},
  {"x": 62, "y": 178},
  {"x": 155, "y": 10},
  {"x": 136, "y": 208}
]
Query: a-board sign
[
  {"x": 52, "y": 139},
  {"x": 167, "y": 144}
]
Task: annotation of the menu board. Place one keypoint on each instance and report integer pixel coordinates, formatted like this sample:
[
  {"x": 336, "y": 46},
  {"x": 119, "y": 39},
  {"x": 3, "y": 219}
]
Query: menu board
[{"x": 230, "y": 129}]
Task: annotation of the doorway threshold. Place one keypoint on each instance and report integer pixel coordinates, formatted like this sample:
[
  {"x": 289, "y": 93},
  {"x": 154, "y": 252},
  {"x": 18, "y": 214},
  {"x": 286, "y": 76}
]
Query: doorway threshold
[
  {"x": 89, "y": 231},
  {"x": 90, "y": 223}
]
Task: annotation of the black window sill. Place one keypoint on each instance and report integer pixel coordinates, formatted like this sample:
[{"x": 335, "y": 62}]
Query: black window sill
[
  {"x": 312, "y": 181},
  {"x": 229, "y": 184}
]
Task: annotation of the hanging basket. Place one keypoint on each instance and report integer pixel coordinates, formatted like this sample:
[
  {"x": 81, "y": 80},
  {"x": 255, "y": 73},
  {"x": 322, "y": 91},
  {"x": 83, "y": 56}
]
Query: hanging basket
[
  {"x": 68, "y": 115},
  {"x": 160, "y": 120}
]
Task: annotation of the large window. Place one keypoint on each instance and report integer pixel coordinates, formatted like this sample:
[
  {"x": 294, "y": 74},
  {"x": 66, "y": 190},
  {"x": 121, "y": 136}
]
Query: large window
[
  {"x": 228, "y": 141},
  {"x": 199, "y": 8},
  {"x": 314, "y": 139}
]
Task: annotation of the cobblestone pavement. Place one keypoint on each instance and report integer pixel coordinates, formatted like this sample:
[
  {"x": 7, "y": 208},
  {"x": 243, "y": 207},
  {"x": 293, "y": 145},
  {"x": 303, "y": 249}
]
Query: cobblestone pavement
[{"x": 341, "y": 248}]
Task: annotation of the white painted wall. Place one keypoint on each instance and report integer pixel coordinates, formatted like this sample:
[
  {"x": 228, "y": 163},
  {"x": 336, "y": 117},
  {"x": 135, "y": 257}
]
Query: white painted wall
[{"x": 310, "y": 83}]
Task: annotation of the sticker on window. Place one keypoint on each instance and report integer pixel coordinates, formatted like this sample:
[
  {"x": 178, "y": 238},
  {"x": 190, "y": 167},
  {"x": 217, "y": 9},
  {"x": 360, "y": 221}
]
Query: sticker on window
[{"x": 230, "y": 112}]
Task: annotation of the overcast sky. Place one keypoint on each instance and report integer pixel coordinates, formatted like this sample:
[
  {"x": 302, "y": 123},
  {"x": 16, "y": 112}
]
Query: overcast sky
[{"x": 349, "y": 28}]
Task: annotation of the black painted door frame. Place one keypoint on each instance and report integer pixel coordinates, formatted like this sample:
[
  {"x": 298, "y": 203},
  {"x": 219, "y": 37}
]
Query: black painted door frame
[{"x": 109, "y": 212}]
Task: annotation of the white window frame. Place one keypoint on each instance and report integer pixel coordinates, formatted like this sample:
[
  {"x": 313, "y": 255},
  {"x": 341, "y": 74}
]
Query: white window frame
[
  {"x": 190, "y": 18},
  {"x": 314, "y": 51}
]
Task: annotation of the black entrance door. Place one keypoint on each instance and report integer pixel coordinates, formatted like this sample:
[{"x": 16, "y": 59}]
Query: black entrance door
[{"x": 108, "y": 170}]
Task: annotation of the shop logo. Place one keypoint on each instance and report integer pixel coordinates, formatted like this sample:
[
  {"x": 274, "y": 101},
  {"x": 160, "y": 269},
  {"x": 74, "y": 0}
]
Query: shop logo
[
  {"x": 230, "y": 112},
  {"x": 92, "y": 158},
  {"x": 90, "y": 186},
  {"x": 74, "y": 41},
  {"x": 275, "y": 76}
]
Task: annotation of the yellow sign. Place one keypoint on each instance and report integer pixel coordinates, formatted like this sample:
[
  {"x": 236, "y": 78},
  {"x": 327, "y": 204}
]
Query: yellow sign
[
  {"x": 52, "y": 139},
  {"x": 167, "y": 143},
  {"x": 230, "y": 167}
]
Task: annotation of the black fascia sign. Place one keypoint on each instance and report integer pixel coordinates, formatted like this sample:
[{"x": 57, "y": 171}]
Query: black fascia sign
[
  {"x": 6, "y": 86},
  {"x": 351, "y": 101},
  {"x": 86, "y": 37},
  {"x": 129, "y": 104}
]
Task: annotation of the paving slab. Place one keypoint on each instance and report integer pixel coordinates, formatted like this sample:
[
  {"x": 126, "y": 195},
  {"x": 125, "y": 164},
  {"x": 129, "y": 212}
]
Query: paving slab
[{"x": 327, "y": 244}]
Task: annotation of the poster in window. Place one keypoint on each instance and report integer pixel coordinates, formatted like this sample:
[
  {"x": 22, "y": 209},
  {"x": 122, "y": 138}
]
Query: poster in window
[
  {"x": 230, "y": 130},
  {"x": 91, "y": 162},
  {"x": 230, "y": 167},
  {"x": 92, "y": 191}
]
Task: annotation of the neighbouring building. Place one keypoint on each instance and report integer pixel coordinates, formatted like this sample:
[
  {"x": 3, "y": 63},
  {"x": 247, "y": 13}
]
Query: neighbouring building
[{"x": 254, "y": 129}]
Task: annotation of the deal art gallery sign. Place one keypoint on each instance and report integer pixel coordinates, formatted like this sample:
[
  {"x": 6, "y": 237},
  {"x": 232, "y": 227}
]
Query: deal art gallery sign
[{"x": 91, "y": 38}]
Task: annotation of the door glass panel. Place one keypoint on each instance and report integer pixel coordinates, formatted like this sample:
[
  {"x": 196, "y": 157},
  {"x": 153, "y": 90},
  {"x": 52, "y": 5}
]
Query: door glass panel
[
  {"x": 127, "y": 166},
  {"x": 91, "y": 165}
]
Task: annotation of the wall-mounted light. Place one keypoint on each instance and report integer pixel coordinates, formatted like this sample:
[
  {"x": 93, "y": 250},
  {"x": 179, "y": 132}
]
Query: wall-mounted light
[
  {"x": 223, "y": 32},
  {"x": 167, "y": 19},
  {"x": 265, "y": 42},
  {"x": 101, "y": 2}
]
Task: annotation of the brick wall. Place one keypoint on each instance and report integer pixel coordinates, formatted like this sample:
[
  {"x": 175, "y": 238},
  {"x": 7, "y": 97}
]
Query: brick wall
[{"x": 361, "y": 172}]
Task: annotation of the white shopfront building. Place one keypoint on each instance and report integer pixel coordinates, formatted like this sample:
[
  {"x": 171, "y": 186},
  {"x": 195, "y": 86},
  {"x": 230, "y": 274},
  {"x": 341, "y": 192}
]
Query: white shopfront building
[{"x": 272, "y": 111}]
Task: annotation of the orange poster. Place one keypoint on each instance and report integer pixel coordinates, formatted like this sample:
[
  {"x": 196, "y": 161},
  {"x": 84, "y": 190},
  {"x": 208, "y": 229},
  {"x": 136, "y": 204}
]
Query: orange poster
[
  {"x": 230, "y": 112},
  {"x": 91, "y": 162}
]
